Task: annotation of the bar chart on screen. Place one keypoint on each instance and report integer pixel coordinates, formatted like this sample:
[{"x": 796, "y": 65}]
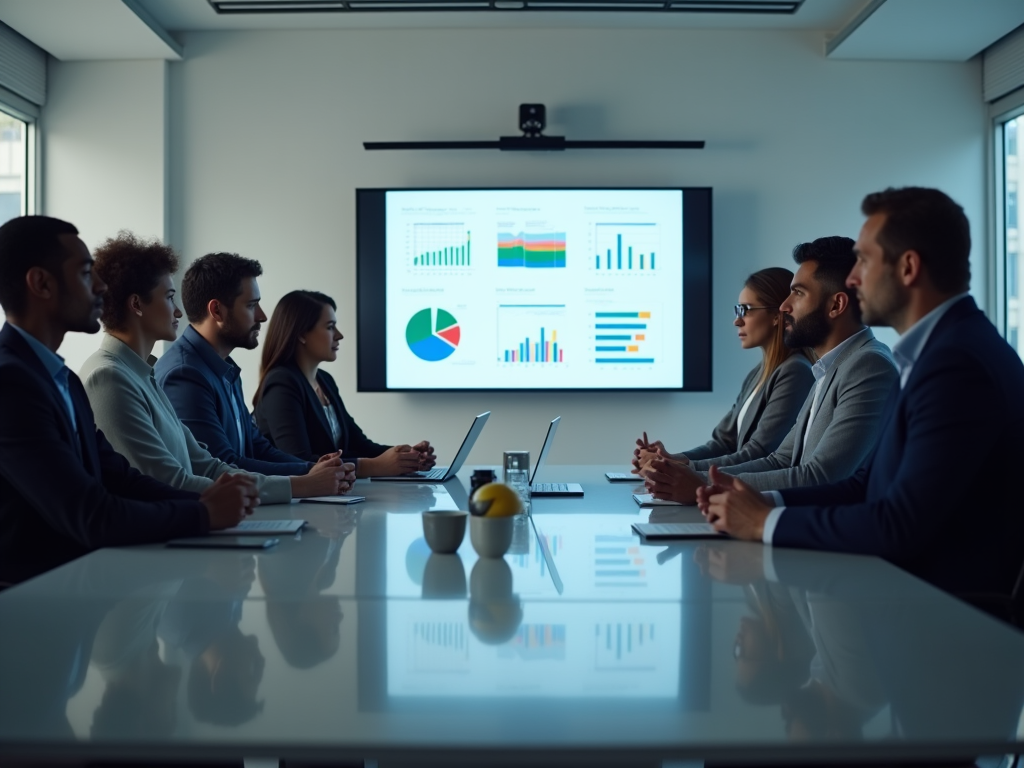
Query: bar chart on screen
[
  {"x": 625, "y": 247},
  {"x": 531, "y": 334},
  {"x": 440, "y": 246},
  {"x": 623, "y": 337}
]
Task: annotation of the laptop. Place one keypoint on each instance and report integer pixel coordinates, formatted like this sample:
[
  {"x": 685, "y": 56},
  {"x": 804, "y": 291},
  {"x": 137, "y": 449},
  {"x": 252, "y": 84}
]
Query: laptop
[
  {"x": 551, "y": 489},
  {"x": 444, "y": 474}
]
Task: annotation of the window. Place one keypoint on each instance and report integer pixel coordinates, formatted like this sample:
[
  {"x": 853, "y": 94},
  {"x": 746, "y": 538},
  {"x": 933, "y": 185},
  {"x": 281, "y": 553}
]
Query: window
[
  {"x": 1012, "y": 225},
  {"x": 14, "y": 199}
]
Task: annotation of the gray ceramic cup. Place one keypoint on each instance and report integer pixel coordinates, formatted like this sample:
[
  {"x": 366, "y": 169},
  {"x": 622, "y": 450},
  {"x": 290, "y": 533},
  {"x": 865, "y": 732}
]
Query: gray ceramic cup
[
  {"x": 491, "y": 536},
  {"x": 444, "y": 531}
]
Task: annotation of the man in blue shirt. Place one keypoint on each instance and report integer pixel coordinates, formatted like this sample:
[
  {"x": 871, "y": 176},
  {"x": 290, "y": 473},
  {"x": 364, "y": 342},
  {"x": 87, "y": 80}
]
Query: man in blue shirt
[
  {"x": 63, "y": 489},
  {"x": 931, "y": 497},
  {"x": 222, "y": 301}
]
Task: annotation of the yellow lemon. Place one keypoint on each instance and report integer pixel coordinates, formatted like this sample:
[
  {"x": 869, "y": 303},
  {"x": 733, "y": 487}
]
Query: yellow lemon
[{"x": 495, "y": 500}]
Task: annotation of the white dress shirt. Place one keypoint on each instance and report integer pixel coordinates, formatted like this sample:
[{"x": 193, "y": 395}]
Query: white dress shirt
[{"x": 905, "y": 353}]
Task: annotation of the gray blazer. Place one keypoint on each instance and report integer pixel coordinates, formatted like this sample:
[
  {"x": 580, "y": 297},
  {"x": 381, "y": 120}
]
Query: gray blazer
[
  {"x": 768, "y": 419},
  {"x": 846, "y": 424},
  {"x": 139, "y": 421}
]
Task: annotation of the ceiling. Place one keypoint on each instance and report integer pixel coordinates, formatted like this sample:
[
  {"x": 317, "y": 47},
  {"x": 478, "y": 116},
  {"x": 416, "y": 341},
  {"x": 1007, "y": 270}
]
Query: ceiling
[{"x": 931, "y": 30}]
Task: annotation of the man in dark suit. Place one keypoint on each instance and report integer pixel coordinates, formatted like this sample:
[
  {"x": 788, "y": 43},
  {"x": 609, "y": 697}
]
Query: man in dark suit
[
  {"x": 63, "y": 489},
  {"x": 222, "y": 302},
  {"x": 931, "y": 496}
]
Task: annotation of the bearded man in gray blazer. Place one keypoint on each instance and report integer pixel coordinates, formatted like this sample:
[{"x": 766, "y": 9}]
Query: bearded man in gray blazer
[{"x": 840, "y": 420}]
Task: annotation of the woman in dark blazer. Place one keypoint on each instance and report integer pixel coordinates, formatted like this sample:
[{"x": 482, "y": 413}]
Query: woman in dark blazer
[
  {"x": 771, "y": 394},
  {"x": 298, "y": 406}
]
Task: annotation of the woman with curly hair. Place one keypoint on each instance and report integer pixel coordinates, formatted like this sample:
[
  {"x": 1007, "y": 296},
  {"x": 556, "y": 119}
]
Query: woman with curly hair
[{"x": 131, "y": 409}]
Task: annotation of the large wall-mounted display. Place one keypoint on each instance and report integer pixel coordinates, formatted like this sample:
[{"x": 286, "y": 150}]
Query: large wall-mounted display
[{"x": 540, "y": 289}]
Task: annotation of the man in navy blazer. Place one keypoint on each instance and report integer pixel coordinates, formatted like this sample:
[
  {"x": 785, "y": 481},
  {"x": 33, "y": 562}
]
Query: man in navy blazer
[
  {"x": 63, "y": 489},
  {"x": 931, "y": 497},
  {"x": 222, "y": 301}
]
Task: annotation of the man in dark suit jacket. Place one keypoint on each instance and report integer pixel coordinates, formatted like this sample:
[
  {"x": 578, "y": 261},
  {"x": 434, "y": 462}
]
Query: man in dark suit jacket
[
  {"x": 63, "y": 489},
  {"x": 222, "y": 301},
  {"x": 931, "y": 497}
]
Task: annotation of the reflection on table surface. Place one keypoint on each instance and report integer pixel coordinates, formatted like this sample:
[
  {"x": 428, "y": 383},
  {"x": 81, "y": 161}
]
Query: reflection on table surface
[{"x": 355, "y": 639}]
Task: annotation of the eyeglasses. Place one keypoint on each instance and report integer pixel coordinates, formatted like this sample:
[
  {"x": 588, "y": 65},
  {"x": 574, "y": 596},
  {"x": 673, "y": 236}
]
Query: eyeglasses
[{"x": 741, "y": 310}]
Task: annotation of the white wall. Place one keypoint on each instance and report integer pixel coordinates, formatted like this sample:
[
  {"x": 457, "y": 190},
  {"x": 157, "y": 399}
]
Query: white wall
[
  {"x": 266, "y": 132},
  {"x": 104, "y": 150}
]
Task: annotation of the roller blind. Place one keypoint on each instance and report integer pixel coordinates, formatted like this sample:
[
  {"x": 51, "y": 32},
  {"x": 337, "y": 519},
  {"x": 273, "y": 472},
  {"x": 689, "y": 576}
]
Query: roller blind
[
  {"x": 22, "y": 66},
  {"x": 1003, "y": 66}
]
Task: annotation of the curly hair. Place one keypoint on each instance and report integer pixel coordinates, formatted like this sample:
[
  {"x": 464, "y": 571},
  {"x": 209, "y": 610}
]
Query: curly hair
[{"x": 129, "y": 265}]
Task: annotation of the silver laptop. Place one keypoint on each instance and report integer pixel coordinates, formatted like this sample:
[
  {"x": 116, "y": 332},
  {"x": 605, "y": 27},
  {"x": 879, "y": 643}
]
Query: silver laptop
[
  {"x": 551, "y": 489},
  {"x": 444, "y": 474}
]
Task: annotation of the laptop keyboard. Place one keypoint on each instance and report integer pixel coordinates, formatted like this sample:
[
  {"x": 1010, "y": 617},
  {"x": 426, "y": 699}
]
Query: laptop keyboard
[
  {"x": 549, "y": 487},
  {"x": 435, "y": 474}
]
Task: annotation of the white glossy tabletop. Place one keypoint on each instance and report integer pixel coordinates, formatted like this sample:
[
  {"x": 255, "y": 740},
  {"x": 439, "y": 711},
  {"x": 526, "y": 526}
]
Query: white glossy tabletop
[{"x": 354, "y": 641}]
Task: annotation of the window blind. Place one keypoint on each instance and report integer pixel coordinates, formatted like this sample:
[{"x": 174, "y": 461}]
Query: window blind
[
  {"x": 22, "y": 66},
  {"x": 1003, "y": 66}
]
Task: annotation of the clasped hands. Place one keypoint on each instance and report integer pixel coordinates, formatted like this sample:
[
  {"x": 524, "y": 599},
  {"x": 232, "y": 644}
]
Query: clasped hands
[{"x": 729, "y": 504}]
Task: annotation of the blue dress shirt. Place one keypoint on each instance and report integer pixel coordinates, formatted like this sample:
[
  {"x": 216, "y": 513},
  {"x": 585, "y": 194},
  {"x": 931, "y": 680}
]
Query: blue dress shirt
[{"x": 54, "y": 365}]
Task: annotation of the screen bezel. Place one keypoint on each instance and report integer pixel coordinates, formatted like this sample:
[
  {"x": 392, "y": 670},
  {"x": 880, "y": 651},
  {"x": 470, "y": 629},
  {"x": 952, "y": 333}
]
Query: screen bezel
[{"x": 371, "y": 282}]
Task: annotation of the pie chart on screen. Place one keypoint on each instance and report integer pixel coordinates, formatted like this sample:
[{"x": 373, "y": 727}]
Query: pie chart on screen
[{"x": 432, "y": 334}]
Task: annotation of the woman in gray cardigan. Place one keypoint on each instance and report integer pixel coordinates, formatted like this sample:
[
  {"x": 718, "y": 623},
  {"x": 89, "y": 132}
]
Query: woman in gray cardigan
[
  {"x": 772, "y": 393},
  {"x": 131, "y": 408}
]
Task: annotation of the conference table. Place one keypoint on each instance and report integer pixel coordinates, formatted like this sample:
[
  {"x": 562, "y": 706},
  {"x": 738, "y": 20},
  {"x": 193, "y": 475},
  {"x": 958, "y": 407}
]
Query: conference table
[{"x": 584, "y": 644}]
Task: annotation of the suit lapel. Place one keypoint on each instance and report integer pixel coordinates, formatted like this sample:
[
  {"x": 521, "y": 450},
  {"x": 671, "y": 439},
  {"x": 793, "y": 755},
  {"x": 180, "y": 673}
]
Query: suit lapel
[
  {"x": 830, "y": 378},
  {"x": 318, "y": 408},
  {"x": 751, "y": 415},
  {"x": 86, "y": 426},
  {"x": 12, "y": 339},
  {"x": 339, "y": 411}
]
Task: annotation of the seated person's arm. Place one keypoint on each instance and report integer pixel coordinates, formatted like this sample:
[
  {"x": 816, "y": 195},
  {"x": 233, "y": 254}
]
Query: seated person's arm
[
  {"x": 282, "y": 415},
  {"x": 126, "y": 421},
  {"x": 783, "y": 405},
  {"x": 43, "y": 467},
  {"x": 847, "y": 440}
]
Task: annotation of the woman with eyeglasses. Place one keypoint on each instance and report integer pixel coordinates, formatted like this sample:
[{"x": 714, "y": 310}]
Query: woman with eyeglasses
[{"x": 772, "y": 393}]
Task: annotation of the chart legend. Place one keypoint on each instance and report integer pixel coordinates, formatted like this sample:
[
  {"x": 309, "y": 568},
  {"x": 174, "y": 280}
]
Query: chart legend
[{"x": 545, "y": 250}]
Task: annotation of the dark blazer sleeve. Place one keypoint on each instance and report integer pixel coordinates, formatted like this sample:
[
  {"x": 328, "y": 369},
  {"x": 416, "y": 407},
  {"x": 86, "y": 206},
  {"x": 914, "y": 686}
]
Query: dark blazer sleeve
[
  {"x": 195, "y": 401},
  {"x": 282, "y": 415},
  {"x": 44, "y": 469},
  {"x": 725, "y": 435},
  {"x": 928, "y": 490},
  {"x": 785, "y": 393},
  {"x": 264, "y": 452},
  {"x": 358, "y": 444}
]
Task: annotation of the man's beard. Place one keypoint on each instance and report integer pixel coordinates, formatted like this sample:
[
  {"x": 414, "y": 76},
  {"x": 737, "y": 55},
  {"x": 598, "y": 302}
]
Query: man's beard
[
  {"x": 239, "y": 339},
  {"x": 809, "y": 331}
]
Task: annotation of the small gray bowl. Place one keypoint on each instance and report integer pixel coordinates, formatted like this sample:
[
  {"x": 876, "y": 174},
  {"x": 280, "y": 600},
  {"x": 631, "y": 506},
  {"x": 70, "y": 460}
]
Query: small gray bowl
[
  {"x": 444, "y": 531},
  {"x": 491, "y": 536}
]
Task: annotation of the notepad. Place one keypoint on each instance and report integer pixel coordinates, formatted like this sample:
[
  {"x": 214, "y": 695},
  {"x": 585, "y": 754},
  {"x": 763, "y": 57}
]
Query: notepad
[
  {"x": 262, "y": 527},
  {"x": 333, "y": 499},
  {"x": 647, "y": 500},
  {"x": 623, "y": 477},
  {"x": 655, "y": 531}
]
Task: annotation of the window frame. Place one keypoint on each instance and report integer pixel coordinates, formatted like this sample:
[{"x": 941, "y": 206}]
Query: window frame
[
  {"x": 30, "y": 114},
  {"x": 1000, "y": 112}
]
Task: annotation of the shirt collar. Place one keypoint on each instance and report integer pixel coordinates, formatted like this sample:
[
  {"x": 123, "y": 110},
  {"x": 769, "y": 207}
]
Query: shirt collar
[
  {"x": 906, "y": 351},
  {"x": 225, "y": 369},
  {"x": 126, "y": 355},
  {"x": 52, "y": 362},
  {"x": 826, "y": 361}
]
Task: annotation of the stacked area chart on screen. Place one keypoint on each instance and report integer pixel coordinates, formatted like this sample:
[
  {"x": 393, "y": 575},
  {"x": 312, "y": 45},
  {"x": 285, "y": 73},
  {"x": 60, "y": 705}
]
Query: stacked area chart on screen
[{"x": 551, "y": 288}]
